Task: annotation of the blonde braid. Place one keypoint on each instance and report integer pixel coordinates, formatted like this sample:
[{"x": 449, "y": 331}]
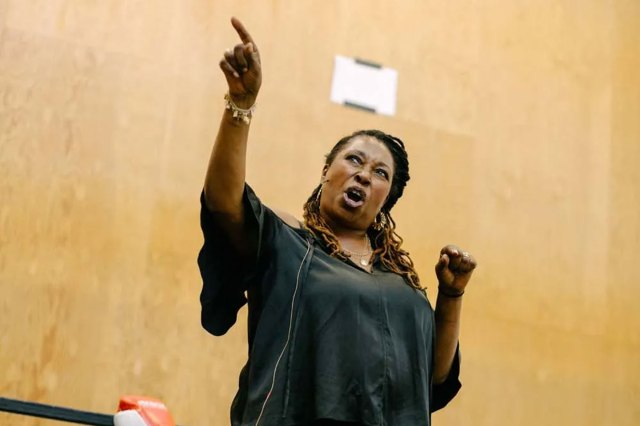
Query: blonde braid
[
  {"x": 392, "y": 256},
  {"x": 316, "y": 224}
]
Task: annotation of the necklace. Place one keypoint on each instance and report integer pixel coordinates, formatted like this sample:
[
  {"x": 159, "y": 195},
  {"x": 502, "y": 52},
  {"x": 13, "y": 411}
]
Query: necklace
[{"x": 364, "y": 257}]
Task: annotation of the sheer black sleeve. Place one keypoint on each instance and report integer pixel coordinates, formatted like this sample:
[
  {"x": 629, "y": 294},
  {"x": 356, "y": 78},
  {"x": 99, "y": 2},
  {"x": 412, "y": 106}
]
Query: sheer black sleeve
[
  {"x": 444, "y": 392},
  {"x": 225, "y": 276}
]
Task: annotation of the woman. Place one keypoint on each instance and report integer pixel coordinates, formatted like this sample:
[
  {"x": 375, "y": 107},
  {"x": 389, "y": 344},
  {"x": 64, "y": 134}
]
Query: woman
[{"x": 340, "y": 330}]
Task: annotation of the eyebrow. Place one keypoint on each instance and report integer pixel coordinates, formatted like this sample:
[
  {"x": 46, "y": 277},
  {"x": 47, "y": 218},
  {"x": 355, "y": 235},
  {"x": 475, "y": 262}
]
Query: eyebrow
[{"x": 363, "y": 154}]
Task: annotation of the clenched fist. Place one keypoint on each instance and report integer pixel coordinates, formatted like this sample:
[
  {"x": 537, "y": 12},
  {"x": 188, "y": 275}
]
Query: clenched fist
[{"x": 454, "y": 269}]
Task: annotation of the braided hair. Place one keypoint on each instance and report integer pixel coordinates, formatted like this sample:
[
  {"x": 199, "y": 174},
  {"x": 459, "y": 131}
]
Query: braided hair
[{"x": 386, "y": 242}]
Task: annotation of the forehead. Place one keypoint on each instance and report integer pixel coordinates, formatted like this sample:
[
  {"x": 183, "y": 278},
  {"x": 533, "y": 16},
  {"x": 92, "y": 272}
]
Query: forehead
[{"x": 372, "y": 147}]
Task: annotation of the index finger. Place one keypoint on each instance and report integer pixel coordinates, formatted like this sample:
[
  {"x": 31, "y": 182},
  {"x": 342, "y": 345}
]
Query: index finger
[{"x": 242, "y": 31}]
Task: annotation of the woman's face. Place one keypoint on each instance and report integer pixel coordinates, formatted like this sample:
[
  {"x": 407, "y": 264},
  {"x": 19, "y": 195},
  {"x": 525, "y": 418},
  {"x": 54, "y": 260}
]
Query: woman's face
[{"x": 357, "y": 184}]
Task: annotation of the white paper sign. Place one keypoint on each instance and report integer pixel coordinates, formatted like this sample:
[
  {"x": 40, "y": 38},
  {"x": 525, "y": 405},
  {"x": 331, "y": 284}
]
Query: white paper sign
[{"x": 364, "y": 85}]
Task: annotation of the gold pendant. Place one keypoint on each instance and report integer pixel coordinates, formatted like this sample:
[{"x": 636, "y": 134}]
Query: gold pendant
[{"x": 364, "y": 262}]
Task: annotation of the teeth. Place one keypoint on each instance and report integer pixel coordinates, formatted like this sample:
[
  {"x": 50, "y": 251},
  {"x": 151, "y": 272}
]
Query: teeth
[{"x": 355, "y": 192}]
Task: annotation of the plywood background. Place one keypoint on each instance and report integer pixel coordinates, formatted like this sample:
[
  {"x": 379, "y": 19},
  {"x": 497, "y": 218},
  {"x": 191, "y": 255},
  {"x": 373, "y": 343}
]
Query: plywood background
[{"x": 522, "y": 121}]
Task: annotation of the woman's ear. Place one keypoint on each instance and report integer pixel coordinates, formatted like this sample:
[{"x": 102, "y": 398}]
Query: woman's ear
[{"x": 323, "y": 177}]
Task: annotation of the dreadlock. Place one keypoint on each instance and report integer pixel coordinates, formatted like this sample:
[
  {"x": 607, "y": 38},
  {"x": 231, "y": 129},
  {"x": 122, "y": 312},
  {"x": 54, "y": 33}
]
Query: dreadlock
[{"x": 386, "y": 242}]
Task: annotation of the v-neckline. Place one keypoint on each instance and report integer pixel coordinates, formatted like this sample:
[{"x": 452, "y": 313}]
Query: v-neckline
[
  {"x": 355, "y": 265},
  {"x": 347, "y": 261}
]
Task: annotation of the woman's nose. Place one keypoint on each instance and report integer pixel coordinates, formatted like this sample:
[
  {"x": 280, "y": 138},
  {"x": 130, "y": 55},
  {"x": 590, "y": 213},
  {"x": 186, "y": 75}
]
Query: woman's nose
[{"x": 363, "y": 177}]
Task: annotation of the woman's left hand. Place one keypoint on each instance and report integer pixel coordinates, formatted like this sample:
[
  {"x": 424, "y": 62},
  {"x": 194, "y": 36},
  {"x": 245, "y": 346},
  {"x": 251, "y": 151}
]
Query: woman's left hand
[{"x": 454, "y": 269}]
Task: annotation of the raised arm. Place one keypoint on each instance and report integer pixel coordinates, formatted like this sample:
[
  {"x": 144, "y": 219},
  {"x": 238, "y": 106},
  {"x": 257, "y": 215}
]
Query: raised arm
[
  {"x": 454, "y": 269},
  {"x": 224, "y": 181}
]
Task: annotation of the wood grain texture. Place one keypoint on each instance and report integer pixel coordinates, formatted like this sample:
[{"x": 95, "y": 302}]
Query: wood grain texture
[{"x": 521, "y": 121}]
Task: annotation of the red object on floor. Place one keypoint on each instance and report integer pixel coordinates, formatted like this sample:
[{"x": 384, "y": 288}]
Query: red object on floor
[{"x": 151, "y": 410}]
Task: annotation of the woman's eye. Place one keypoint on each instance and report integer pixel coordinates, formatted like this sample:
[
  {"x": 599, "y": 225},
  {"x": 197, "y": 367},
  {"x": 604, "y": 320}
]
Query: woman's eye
[
  {"x": 383, "y": 173},
  {"x": 354, "y": 159}
]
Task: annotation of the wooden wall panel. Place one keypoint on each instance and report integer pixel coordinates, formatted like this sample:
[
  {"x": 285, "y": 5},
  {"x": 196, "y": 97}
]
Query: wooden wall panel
[{"x": 521, "y": 121}]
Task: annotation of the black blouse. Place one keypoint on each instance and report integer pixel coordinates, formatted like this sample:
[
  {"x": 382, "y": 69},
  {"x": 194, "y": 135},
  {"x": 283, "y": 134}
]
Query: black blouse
[{"x": 327, "y": 340}]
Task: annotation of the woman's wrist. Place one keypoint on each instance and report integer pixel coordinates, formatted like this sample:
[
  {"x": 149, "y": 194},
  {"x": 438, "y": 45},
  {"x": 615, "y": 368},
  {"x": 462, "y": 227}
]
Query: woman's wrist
[
  {"x": 242, "y": 101},
  {"x": 449, "y": 292},
  {"x": 242, "y": 112}
]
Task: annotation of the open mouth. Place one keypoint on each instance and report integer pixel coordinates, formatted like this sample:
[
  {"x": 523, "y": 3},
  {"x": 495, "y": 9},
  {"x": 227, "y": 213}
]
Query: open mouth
[{"x": 354, "y": 197}]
